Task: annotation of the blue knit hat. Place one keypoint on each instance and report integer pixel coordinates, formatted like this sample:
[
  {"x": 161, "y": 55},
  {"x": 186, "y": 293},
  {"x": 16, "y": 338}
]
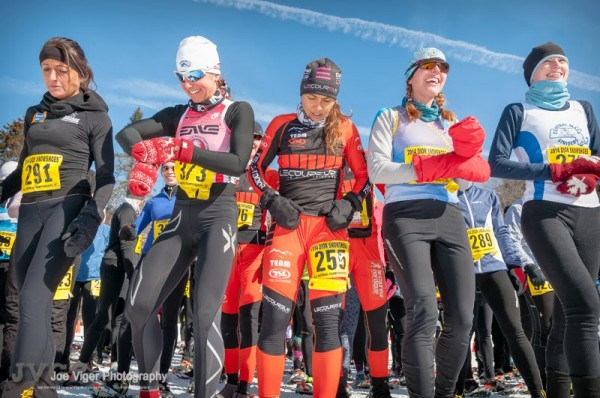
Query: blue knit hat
[{"x": 419, "y": 55}]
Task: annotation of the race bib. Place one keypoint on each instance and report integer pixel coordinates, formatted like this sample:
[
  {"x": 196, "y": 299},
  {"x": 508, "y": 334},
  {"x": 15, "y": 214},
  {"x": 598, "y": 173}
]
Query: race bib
[
  {"x": 360, "y": 219},
  {"x": 482, "y": 242},
  {"x": 449, "y": 183},
  {"x": 139, "y": 243},
  {"x": 95, "y": 287},
  {"x": 63, "y": 292},
  {"x": 41, "y": 173},
  {"x": 539, "y": 290},
  {"x": 6, "y": 247},
  {"x": 194, "y": 180},
  {"x": 245, "y": 214},
  {"x": 188, "y": 289},
  {"x": 329, "y": 264},
  {"x": 566, "y": 154},
  {"x": 158, "y": 226}
]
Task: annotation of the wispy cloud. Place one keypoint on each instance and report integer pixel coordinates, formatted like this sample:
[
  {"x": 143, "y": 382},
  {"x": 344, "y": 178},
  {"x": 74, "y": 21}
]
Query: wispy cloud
[
  {"x": 146, "y": 89},
  {"x": 15, "y": 86},
  {"x": 400, "y": 37}
]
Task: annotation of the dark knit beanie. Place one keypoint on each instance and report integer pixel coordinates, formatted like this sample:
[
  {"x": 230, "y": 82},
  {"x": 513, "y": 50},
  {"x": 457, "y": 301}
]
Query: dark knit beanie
[
  {"x": 537, "y": 55},
  {"x": 321, "y": 76},
  {"x": 258, "y": 129}
]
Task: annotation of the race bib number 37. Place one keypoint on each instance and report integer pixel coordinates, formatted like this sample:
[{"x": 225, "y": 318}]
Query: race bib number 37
[{"x": 41, "y": 173}]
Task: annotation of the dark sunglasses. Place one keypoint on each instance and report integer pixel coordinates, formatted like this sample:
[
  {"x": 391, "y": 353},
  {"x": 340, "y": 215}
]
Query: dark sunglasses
[
  {"x": 429, "y": 64},
  {"x": 257, "y": 137},
  {"x": 192, "y": 75}
]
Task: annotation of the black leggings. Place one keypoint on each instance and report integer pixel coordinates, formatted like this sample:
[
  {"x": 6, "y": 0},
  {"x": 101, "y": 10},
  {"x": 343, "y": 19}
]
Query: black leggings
[
  {"x": 564, "y": 240},
  {"x": 422, "y": 236},
  {"x": 206, "y": 229},
  {"x": 500, "y": 295},
  {"x": 168, "y": 323},
  {"x": 41, "y": 263}
]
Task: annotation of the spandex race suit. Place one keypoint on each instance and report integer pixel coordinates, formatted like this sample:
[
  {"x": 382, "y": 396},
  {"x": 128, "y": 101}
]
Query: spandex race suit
[
  {"x": 203, "y": 225},
  {"x": 311, "y": 179}
]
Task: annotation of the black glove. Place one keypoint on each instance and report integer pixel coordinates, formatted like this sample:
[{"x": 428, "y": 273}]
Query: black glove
[
  {"x": 535, "y": 274},
  {"x": 390, "y": 283},
  {"x": 517, "y": 277},
  {"x": 82, "y": 230},
  {"x": 284, "y": 211},
  {"x": 339, "y": 214},
  {"x": 127, "y": 232}
]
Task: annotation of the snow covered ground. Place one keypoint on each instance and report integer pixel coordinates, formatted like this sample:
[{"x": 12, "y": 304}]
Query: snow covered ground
[{"x": 179, "y": 386}]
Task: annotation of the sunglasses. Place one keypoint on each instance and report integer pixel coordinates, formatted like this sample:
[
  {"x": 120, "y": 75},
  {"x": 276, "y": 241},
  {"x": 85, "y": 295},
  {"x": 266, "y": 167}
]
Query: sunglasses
[
  {"x": 192, "y": 75},
  {"x": 429, "y": 64},
  {"x": 257, "y": 137}
]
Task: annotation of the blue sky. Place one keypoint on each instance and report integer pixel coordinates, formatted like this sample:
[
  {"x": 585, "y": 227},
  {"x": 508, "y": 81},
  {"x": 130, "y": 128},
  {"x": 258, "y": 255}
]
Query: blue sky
[{"x": 264, "y": 46}]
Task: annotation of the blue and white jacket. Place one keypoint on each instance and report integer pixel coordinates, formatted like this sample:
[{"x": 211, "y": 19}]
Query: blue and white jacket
[
  {"x": 158, "y": 211},
  {"x": 482, "y": 213}
]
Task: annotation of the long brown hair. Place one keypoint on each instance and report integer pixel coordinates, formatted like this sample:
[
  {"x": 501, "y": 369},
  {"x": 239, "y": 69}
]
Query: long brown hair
[
  {"x": 414, "y": 113},
  {"x": 333, "y": 129},
  {"x": 74, "y": 58}
]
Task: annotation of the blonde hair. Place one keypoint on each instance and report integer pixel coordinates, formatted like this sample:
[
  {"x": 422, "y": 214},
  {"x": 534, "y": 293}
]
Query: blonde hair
[
  {"x": 333, "y": 129},
  {"x": 414, "y": 113}
]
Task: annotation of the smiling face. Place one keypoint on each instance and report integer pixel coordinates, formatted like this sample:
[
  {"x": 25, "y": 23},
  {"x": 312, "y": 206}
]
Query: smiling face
[
  {"x": 168, "y": 173},
  {"x": 427, "y": 83},
  {"x": 201, "y": 90},
  {"x": 61, "y": 81},
  {"x": 552, "y": 69},
  {"x": 317, "y": 106}
]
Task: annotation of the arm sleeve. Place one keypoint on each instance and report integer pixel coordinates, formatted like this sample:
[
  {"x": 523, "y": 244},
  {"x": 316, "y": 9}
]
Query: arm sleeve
[
  {"x": 12, "y": 183},
  {"x": 101, "y": 144},
  {"x": 355, "y": 157},
  {"x": 507, "y": 246},
  {"x": 142, "y": 221},
  {"x": 128, "y": 256},
  {"x": 382, "y": 170},
  {"x": 513, "y": 223},
  {"x": 503, "y": 143},
  {"x": 592, "y": 127},
  {"x": 269, "y": 146},
  {"x": 162, "y": 124},
  {"x": 240, "y": 119}
]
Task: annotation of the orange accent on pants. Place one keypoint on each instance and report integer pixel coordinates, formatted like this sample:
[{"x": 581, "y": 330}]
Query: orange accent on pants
[
  {"x": 243, "y": 288},
  {"x": 369, "y": 281},
  {"x": 283, "y": 264}
]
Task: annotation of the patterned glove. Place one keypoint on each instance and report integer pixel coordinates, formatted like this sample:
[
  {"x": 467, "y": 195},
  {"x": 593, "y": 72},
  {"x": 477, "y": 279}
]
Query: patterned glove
[
  {"x": 449, "y": 165},
  {"x": 517, "y": 277},
  {"x": 142, "y": 178},
  {"x": 467, "y": 137},
  {"x": 535, "y": 274},
  {"x": 164, "y": 149},
  {"x": 581, "y": 165},
  {"x": 578, "y": 184},
  {"x": 82, "y": 230},
  {"x": 340, "y": 213},
  {"x": 283, "y": 211}
]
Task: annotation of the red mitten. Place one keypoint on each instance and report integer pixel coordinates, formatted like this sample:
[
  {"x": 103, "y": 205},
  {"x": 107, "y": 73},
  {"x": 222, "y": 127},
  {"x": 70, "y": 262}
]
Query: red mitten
[
  {"x": 449, "y": 165},
  {"x": 467, "y": 137},
  {"x": 578, "y": 184},
  {"x": 162, "y": 150},
  {"x": 581, "y": 165},
  {"x": 142, "y": 178}
]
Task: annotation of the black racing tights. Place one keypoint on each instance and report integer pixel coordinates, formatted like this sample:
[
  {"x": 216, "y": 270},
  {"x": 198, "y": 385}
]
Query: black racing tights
[
  {"x": 564, "y": 240},
  {"x": 422, "y": 236},
  {"x": 41, "y": 263},
  {"x": 208, "y": 230}
]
